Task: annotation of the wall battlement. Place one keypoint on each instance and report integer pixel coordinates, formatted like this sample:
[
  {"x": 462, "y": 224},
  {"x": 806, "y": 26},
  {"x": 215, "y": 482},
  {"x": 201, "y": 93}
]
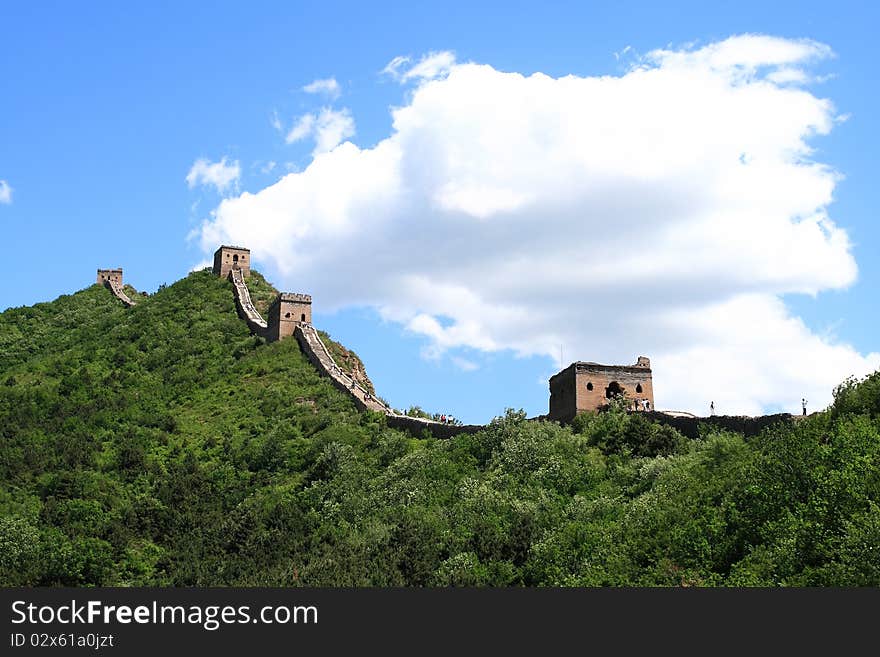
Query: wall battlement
[
  {"x": 294, "y": 297},
  {"x": 105, "y": 275}
]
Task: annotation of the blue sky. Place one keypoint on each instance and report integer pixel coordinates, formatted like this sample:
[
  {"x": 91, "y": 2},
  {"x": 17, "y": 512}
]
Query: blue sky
[{"x": 107, "y": 107}]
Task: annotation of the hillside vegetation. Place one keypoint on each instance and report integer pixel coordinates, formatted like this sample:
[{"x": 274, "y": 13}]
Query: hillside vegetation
[{"x": 164, "y": 445}]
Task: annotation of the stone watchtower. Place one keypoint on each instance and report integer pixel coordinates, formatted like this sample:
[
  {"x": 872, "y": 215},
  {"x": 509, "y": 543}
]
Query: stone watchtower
[
  {"x": 227, "y": 258},
  {"x": 286, "y": 312},
  {"x": 109, "y": 276},
  {"x": 590, "y": 386}
]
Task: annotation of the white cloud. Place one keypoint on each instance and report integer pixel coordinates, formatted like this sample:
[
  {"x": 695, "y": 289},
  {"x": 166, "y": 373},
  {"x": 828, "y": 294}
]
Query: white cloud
[
  {"x": 744, "y": 55},
  {"x": 220, "y": 175},
  {"x": 5, "y": 192},
  {"x": 329, "y": 128},
  {"x": 661, "y": 212},
  {"x": 303, "y": 127},
  {"x": 332, "y": 128},
  {"x": 784, "y": 75},
  {"x": 622, "y": 53},
  {"x": 275, "y": 121},
  {"x": 431, "y": 66},
  {"x": 328, "y": 87},
  {"x": 464, "y": 364},
  {"x": 393, "y": 67}
]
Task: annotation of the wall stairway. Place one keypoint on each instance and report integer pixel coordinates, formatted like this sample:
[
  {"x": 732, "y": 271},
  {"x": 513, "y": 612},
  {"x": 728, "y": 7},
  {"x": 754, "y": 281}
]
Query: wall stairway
[
  {"x": 246, "y": 308},
  {"x": 119, "y": 293},
  {"x": 316, "y": 351}
]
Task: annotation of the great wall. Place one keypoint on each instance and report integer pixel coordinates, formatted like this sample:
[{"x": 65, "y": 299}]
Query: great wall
[
  {"x": 112, "y": 280},
  {"x": 284, "y": 310},
  {"x": 580, "y": 387},
  {"x": 246, "y": 308}
]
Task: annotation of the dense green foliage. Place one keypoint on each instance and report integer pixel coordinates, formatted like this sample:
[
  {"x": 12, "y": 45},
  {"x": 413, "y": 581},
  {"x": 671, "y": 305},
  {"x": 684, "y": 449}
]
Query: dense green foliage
[{"x": 164, "y": 445}]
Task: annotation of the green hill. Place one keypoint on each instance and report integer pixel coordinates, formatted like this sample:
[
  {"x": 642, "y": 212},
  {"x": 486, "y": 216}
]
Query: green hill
[{"x": 164, "y": 445}]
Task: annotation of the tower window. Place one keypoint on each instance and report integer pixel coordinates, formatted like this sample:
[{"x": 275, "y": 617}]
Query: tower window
[
  {"x": 287, "y": 314},
  {"x": 302, "y": 317},
  {"x": 614, "y": 389},
  {"x": 589, "y": 386},
  {"x": 639, "y": 387}
]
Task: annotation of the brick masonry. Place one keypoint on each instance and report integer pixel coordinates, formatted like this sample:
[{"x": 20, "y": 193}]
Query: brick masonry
[
  {"x": 588, "y": 386},
  {"x": 105, "y": 275},
  {"x": 287, "y": 312},
  {"x": 227, "y": 258}
]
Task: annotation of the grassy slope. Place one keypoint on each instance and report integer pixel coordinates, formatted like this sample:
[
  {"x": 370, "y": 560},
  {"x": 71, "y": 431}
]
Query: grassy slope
[
  {"x": 164, "y": 445},
  {"x": 96, "y": 399}
]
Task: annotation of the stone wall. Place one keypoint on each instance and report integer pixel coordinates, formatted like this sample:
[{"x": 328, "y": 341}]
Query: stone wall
[
  {"x": 246, "y": 309},
  {"x": 744, "y": 424},
  {"x": 286, "y": 318},
  {"x": 318, "y": 354},
  {"x": 417, "y": 425},
  {"x": 112, "y": 280},
  {"x": 351, "y": 363},
  {"x": 569, "y": 392},
  {"x": 291, "y": 314}
]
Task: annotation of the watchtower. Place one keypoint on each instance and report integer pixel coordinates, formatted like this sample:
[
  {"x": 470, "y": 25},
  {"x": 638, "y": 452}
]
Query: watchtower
[
  {"x": 227, "y": 258},
  {"x": 109, "y": 276},
  {"x": 588, "y": 386},
  {"x": 286, "y": 312}
]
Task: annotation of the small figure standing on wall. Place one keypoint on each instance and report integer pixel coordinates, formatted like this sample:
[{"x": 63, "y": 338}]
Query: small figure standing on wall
[
  {"x": 712, "y": 408},
  {"x": 804, "y": 405}
]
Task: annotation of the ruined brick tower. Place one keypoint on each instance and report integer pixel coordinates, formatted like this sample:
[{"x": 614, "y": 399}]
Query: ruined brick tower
[
  {"x": 286, "y": 312},
  {"x": 590, "y": 386},
  {"x": 109, "y": 276},
  {"x": 227, "y": 258}
]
